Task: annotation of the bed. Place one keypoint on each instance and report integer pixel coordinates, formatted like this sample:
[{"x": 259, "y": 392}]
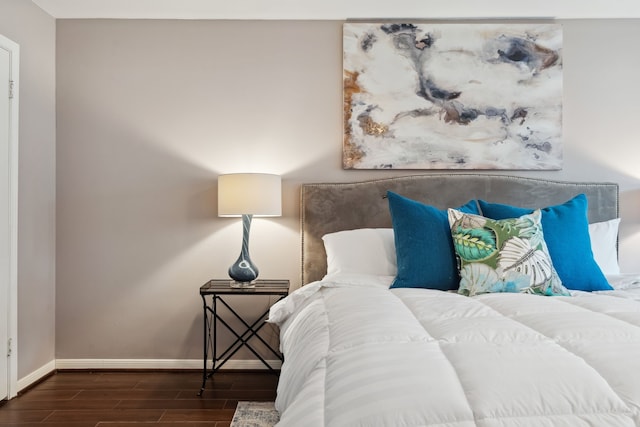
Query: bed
[{"x": 374, "y": 339}]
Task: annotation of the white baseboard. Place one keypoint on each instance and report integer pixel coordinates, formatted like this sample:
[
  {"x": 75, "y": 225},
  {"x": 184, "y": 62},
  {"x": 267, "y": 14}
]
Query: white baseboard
[
  {"x": 157, "y": 364},
  {"x": 36, "y": 375},
  {"x": 195, "y": 364}
]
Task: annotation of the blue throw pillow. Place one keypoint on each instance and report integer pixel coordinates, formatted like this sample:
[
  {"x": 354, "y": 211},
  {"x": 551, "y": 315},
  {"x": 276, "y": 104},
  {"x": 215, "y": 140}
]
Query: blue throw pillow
[
  {"x": 566, "y": 231},
  {"x": 424, "y": 249}
]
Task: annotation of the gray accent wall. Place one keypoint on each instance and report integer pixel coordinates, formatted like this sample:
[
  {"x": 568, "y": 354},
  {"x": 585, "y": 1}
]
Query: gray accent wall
[
  {"x": 150, "y": 112},
  {"x": 34, "y": 30}
]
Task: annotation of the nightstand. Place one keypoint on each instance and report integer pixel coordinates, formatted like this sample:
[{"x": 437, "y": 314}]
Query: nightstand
[{"x": 213, "y": 295}]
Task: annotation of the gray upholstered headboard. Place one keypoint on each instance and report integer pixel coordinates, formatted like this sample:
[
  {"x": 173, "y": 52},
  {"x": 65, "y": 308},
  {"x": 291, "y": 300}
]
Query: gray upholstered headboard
[{"x": 334, "y": 207}]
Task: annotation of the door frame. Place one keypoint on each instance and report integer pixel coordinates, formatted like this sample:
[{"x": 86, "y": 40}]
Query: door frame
[{"x": 12, "y": 321}]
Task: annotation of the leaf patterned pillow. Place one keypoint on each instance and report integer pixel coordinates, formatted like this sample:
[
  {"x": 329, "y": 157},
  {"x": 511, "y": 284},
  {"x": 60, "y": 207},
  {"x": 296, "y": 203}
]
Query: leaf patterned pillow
[{"x": 508, "y": 255}]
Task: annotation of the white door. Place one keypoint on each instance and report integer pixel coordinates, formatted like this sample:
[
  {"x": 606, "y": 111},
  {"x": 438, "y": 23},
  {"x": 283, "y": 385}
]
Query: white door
[
  {"x": 4, "y": 219},
  {"x": 8, "y": 215}
]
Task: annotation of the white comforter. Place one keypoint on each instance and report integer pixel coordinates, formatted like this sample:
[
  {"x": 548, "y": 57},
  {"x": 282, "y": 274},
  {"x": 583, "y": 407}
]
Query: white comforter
[{"x": 359, "y": 354}]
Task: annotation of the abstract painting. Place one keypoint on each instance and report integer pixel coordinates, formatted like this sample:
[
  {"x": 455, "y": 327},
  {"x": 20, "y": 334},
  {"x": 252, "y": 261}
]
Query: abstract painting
[{"x": 452, "y": 96}]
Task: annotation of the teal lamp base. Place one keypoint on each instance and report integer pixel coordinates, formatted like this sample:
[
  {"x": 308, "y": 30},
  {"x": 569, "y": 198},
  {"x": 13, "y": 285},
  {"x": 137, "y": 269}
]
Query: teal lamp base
[{"x": 243, "y": 271}]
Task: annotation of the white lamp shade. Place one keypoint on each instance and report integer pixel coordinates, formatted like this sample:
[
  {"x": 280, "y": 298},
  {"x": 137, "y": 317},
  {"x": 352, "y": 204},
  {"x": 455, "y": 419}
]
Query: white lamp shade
[{"x": 258, "y": 194}]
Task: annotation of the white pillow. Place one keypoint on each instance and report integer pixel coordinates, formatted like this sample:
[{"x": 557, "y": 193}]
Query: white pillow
[
  {"x": 604, "y": 237},
  {"x": 361, "y": 251}
]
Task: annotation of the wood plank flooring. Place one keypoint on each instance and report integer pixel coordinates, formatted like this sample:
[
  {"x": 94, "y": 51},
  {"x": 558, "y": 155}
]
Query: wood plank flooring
[{"x": 123, "y": 399}]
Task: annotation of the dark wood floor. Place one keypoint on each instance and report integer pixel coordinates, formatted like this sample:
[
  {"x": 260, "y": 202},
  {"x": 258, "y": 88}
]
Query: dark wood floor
[{"x": 122, "y": 399}]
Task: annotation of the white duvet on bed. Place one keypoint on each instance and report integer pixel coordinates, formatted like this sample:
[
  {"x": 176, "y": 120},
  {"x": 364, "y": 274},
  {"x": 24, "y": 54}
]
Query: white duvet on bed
[{"x": 360, "y": 354}]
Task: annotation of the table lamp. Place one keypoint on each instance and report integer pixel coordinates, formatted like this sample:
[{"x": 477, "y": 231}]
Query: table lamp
[{"x": 248, "y": 195}]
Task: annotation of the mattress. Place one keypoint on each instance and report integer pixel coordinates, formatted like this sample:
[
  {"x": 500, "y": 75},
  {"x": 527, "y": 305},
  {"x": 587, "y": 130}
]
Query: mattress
[{"x": 360, "y": 354}]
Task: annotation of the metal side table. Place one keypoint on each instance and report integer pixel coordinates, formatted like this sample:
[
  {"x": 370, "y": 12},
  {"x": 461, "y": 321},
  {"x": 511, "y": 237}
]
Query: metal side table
[{"x": 217, "y": 290}]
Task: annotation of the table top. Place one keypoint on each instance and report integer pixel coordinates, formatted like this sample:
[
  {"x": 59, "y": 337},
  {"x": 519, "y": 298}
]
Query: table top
[{"x": 261, "y": 287}]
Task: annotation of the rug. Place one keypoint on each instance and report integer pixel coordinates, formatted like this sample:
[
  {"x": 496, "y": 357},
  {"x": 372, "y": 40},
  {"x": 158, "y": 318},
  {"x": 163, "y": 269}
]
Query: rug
[{"x": 255, "y": 414}]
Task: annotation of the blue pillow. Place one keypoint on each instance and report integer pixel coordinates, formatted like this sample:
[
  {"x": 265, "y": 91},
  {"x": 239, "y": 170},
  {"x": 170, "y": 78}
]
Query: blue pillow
[
  {"x": 424, "y": 249},
  {"x": 566, "y": 232}
]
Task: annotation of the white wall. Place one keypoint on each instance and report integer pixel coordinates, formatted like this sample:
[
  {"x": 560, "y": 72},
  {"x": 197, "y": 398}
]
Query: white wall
[
  {"x": 34, "y": 31},
  {"x": 150, "y": 112},
  {"x": 600, "y": 116}
]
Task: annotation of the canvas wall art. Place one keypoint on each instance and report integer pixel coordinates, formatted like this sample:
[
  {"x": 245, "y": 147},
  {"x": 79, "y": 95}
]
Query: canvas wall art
[{"x": 452, "y": 96}]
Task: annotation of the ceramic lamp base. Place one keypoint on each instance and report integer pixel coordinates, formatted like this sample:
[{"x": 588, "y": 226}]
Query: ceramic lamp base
[{"x": 243, "y": 270}]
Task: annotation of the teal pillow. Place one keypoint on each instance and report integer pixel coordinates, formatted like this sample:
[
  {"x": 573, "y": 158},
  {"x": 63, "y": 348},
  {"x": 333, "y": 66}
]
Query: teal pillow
[
  {"x": 507, "y": 255},
  {"x": 566, "y": 231},
  {"x": 424, "y": 249}
]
